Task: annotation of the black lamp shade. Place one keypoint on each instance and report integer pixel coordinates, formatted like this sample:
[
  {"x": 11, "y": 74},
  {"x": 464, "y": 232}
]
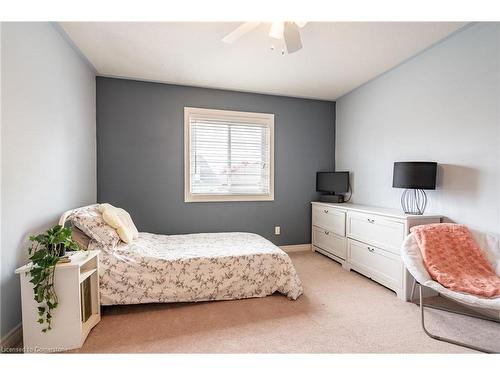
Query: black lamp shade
[{"x": 414, "y": 175}]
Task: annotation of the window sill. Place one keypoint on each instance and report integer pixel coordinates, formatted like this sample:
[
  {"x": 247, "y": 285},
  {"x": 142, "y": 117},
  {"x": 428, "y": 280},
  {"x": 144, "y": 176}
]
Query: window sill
[{"x": 189, "y": 198}]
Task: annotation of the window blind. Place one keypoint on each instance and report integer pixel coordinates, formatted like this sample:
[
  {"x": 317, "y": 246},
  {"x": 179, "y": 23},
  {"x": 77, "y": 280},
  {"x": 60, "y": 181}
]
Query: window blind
[{"x": 229, "y": 156}]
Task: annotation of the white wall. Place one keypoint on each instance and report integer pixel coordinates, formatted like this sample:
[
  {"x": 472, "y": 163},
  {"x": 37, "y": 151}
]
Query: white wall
[
  {"x": 442, "y": 105},
  {"x": 48, "y": 147}
]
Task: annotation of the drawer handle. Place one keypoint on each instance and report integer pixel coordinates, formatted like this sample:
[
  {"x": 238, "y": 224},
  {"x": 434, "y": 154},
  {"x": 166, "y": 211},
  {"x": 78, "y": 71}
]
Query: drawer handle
[
  {"x": 371, "y": 221},
  {"x": 327, "y": 233},
  {"x": 325, "y": 211},
  {"x": 371, "y": 249}
]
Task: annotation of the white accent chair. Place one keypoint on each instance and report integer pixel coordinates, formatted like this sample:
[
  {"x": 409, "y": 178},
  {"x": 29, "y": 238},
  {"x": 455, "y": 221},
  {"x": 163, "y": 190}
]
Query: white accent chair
[{"x": 412, "y": 258}]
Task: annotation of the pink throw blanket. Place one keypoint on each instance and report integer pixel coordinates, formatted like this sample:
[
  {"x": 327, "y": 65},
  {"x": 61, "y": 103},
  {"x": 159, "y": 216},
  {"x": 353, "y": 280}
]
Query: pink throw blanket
[{"x": 453, "y": 259}]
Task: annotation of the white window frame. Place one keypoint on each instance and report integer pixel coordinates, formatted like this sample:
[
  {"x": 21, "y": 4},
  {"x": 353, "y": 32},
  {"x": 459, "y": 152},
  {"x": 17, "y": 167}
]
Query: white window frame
[{"x": 267, "y": 119}]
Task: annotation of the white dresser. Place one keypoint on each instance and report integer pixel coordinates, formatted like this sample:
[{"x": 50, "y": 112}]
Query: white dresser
[{"x": 366, "y": 239}]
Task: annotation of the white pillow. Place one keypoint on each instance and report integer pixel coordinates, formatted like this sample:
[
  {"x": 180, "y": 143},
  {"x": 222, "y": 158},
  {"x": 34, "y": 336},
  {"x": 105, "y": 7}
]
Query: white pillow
[
  {"x": 120, "y": 220},
  {"x": 90, "y": 221}
]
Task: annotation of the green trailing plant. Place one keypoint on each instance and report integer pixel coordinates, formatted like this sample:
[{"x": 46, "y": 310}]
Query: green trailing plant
[{"x": 44, "y": 254}]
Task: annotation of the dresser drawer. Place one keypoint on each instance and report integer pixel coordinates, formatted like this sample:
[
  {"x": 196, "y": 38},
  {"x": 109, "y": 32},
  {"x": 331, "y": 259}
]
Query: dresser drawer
[
  {"x": 328, "y": 218},
  {"x": 329, "y": 241},
  {"x": 376, "y": 230},
  {"x": 379, "y": 265}
]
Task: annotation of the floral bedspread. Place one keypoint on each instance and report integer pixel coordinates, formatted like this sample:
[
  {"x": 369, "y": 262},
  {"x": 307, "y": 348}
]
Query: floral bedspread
[{"x": 195, "y": 267}]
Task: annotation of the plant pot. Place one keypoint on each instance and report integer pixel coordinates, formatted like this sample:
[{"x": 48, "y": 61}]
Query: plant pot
[{"x": 62, "y": 250}]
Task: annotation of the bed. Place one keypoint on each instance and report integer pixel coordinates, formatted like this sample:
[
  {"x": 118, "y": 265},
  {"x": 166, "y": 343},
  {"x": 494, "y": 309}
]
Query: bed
[{"x": 193, "y": 268}]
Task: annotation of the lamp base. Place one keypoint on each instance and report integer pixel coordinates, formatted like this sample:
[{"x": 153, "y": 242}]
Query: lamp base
[{"x": 414, "y": 201}]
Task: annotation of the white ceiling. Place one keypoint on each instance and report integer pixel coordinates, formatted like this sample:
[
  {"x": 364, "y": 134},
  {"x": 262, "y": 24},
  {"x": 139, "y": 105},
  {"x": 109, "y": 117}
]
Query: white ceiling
[{"x": 336, "y": 57}]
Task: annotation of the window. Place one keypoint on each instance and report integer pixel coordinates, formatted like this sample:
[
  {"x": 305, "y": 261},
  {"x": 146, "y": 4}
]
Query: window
[{"x": 228, "y": 156}]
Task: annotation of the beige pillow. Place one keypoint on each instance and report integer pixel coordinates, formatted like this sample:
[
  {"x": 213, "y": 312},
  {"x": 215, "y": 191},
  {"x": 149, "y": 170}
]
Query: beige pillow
[
  {"x": 110, "y": 215},
  {"x": 125, "y": 216},
  {"x": 120, "y": 220}
]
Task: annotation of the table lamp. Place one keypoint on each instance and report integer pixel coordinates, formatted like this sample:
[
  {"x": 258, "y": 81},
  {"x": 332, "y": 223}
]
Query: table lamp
[{"x": 415, "y": 177}]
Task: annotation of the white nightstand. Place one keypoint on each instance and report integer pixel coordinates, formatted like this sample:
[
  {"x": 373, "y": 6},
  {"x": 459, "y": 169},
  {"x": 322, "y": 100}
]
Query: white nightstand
[{"x": 77, "y": 288}]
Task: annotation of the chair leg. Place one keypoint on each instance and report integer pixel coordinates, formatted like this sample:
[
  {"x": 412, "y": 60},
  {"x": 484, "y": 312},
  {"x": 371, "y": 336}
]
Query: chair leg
[
  {"x": 413, "y": 289},
  {"x": 439, "y": 338}
]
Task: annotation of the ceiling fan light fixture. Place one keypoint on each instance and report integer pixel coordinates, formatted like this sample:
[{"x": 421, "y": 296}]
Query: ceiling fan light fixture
[
  {"x": 288, "y": 32},
  {"x": 277, "y": 29}
]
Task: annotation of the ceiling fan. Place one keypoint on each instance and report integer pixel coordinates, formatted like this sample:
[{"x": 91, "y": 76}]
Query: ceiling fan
[{"x": 289, "y": 32}]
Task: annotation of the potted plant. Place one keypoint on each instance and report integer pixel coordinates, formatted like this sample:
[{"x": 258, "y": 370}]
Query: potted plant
[{"x": 45, "y": 251}]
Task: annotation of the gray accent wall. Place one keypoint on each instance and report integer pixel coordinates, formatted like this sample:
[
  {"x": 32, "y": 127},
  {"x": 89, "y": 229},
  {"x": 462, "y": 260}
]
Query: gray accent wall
[
  {"x": 48, "y": 144},
  {"x": 441, "y": 105},
  {"x": 140, "y": 158}
]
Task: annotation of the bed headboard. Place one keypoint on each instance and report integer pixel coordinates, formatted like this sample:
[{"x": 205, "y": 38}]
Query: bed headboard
[{"x": 65, "y": 215}]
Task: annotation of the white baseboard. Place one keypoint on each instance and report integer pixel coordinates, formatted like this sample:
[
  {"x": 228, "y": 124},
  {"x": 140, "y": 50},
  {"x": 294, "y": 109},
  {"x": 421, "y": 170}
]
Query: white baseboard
[
  {"x": 296, "y": 248},
  {"x": 13, "y": 338}
]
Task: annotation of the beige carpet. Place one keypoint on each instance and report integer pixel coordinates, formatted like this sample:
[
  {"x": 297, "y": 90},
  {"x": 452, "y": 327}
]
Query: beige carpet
[{"x": 339, "y": 312}]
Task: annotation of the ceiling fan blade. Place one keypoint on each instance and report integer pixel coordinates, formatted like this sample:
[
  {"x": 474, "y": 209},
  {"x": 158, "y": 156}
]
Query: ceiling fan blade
[
  {"x": 241, "y": 30},
  {"x": 291, "y": 35}
]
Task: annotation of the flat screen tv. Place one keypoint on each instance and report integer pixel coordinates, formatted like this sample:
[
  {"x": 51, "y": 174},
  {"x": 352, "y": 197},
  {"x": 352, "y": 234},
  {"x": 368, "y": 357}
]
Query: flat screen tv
[{"x": 332, "y": 182}]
